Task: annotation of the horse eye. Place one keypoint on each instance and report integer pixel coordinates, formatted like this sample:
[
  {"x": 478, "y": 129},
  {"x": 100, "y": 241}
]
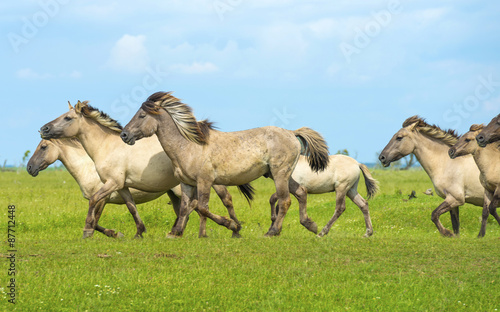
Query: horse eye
[
  {"x": 467, "y": 140},
  {"x": 142, "y": 116},
  {"x": 399, "y": 138},
  {"x": 67, "y": 118},
  {"x": 43, "y": 147}
]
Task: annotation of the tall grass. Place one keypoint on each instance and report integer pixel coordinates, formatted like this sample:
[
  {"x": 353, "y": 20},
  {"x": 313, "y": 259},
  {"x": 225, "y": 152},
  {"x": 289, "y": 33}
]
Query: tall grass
[{"x": 406, "y": 265}]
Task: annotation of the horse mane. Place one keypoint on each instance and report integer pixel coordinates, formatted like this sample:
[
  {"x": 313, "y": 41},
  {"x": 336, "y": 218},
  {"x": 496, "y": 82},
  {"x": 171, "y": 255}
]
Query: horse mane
[
  {"x": 448, "y": 137},
  {"x": 102, "y": 118},
  {"x": 73, "y": 142},
  {"x": 182, "y": 115},
  {"x": 476, "y": 127}
]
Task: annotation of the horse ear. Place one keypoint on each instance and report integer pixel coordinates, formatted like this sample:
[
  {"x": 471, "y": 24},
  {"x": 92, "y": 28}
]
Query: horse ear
[
  {"x": 70, "y": 107},
  {"x": 412, "y": 126},
  {"x": 78, "y": 107}
]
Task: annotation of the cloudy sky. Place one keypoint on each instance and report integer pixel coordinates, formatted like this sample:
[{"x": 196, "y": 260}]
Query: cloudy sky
[{"x": 352, "y": 70}]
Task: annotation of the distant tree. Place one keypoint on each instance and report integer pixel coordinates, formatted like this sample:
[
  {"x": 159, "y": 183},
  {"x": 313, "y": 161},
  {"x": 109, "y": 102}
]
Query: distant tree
[
  {"x": 25, "y": 157},
  {"x": 343, "y": 152}
]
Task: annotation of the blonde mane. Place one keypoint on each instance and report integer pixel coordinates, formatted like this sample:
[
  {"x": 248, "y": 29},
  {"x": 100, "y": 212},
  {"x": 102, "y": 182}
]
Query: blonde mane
[
  {"x": 102, "y": 118},
  {"x": 448, "y": 137},
  {"x": 182, "y": 115}
]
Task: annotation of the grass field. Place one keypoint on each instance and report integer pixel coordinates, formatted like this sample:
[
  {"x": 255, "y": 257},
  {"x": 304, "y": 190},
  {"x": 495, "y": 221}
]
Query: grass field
[{"x": 405, "y": 266}]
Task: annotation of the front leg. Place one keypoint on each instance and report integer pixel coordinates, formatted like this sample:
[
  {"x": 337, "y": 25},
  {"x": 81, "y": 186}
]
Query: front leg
[
  {"x": 447, "y": 205},
  {"x": 90, "y": 222},
  {"x": 203, "y": 198},
  {"x": 186, "y": 207},
  {"x": 227, "y": 200},
  {"x": 129, "y": 201}
]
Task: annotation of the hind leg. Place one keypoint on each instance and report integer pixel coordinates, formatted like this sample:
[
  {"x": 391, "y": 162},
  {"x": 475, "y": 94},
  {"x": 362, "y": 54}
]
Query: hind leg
[
  {"x": 300, "y": 193},
  {"x": 455, "y": 220},
  {"x": 339, "y": 209},
  {"x": 274, "y": 208},
  {"x": 363, "y": 206},
  {"x": 284, "y": 202}
]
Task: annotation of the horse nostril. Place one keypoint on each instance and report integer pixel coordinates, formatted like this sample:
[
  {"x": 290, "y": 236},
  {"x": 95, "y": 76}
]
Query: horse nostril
[
  {"x": 480, "y": 138},
  {"x": 451, "y": 152},
  {"x": 123, "y": 135},
  {"x": 381, "y": 158}
]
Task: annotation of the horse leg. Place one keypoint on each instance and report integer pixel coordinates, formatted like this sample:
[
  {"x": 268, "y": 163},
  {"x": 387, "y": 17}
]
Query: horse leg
[
  {"x": 363, "y": 206},
  {"x": 98, "y": 212},
  {"x": 486, "y": 213},
  {"x": 455, "y": 220},
  {"x": 494, "y": 205},
  {"x": 100, "y": 195},
  {"x": 227, "y": 200},
  {"x": 129, "y": 201},
  {"x": 274, "y": 210},
  {"x": 188, "y": 194},
  {"x": 445, "y": 206},
  {"x": 300, "y": 193},
  {"x": 203, "y": 198},
  {"x": 339, "y": 209},
  {"x": 284, "y": 202}
]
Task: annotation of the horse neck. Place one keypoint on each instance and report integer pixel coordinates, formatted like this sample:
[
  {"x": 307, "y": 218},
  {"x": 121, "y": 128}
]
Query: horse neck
[
  {"x": 488, "y": 160},
  {"x": 80, "y": 166},
  {"x": 172, "y": 140},
  {"x": 96, "y": 139},
  {"x": 430, "y": 153}
]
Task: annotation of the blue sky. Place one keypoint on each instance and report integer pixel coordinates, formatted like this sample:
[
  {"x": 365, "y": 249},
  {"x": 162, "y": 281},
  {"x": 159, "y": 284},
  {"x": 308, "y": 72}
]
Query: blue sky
[{"x": 352, "y": 70}]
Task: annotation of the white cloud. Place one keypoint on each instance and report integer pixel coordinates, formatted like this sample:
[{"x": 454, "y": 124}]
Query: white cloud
[
  {"x": 194, "y": 68},
  {"x": 28, "y": 73},
  {"x": 75, "y": 74},
  {"x": 129, "y": 54}
]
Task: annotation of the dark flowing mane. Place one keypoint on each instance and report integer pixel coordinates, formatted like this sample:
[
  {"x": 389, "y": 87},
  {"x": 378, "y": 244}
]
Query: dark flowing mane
[
  {"x": 448, "y": 137},
  {"x": 182, "y": 115},
  {"x": 102, "y": 118}
]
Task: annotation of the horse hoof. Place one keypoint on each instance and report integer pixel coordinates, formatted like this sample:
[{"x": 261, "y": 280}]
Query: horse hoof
[
  {"x": 119, "y": 235},
  {"x": 87, "y": 233},
  {"x": 236, "y": 235},
  {"x": 321, "y": 234},
  {"x": 172, "y": 236}
]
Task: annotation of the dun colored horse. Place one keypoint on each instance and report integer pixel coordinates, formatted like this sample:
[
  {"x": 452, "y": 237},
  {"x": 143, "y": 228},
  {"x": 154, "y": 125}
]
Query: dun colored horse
[
  {"x": 488, "y": 161},
  {"x": 341, "y": 176},
  {"x": 203, "y": 156},
  {"x": 144, "y": 167},
  {"x": 455, "y": 180}
]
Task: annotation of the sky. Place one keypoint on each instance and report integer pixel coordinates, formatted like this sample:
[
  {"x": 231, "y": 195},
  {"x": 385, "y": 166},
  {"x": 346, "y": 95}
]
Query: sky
[{"x": 351, "y": 70}]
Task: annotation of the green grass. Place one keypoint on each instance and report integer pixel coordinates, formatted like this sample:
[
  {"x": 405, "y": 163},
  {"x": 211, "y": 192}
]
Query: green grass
[{"x": 405, "y": 266}]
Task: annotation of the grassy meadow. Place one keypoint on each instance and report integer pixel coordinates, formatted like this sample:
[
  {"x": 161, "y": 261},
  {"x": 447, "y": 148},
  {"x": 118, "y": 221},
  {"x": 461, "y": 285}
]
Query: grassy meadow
[{"x": 405, "y": 266}]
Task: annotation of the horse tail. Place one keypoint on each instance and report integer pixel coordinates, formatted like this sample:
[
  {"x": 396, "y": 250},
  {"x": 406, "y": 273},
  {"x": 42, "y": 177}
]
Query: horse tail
[
  {"x": 314, "y": 146},
  {"x": 248, "y": 191},
  {"x": 370, "y": 183}
]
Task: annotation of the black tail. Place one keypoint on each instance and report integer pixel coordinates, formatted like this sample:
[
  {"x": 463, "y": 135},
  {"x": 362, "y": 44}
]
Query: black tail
[{"x": 248, "y": 191}]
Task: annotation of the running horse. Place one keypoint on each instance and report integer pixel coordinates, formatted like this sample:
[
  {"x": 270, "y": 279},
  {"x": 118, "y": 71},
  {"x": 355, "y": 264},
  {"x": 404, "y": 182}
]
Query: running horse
[
  {"x": 488, "y": 161},
  {"x": 455, "y": 180},
  {"x": 143, "y": 167},
  {"x": 203, "y": 156}
]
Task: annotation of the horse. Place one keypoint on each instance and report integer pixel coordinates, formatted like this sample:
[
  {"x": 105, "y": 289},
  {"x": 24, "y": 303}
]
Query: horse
[
  {"x": 203, "y": 156},
  {"x": 488, "y": 161},
  {"x": 341, "y": 176},
  {"x": 455, "y": 180},
  {"x": 144, "y": 167},
  {"x": 490, "y": 133}
]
